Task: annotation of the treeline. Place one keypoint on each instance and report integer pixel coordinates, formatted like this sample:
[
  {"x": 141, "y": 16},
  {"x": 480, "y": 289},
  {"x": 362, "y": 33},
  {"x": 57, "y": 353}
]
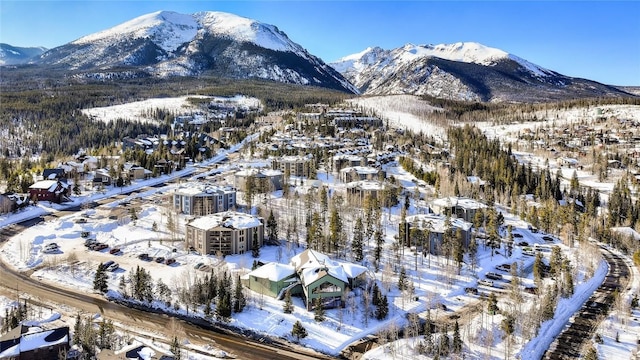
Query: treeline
[{"x": 477, "y": 111}]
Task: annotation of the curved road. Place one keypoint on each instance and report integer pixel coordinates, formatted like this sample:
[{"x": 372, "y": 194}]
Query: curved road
[
  {"x": 569, "y": 344},
  {"x": 238, "y": 345}
]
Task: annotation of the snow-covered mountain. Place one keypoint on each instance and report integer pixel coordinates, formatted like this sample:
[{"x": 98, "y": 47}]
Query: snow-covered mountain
[
  {"x": 167, "y": 43},
  {"x": 461, "y": 71},
  {"x": 14, "y": 55}
]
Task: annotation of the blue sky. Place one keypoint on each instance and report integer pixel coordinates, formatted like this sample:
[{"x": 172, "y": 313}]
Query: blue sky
[{"x": 598, "y": 40}]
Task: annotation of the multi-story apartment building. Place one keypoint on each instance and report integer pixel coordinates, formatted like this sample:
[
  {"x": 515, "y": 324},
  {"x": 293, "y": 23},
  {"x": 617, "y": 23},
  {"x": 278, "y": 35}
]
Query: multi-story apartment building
[
  {"x": 227, "y": 232},
  {"x": 201, "y": 199},
  {"x": 295, "y": 165}
]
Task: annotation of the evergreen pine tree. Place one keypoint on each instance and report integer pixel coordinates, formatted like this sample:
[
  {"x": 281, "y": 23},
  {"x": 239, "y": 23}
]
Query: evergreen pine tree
[
  {"x": 223, "y": 306},
  {"x": 492, "y": 304},
  {"x": 319, "y": 310},
  {"x": 402, "y": 279},
  {"x": 255, "y": 245},
  {"x": 382, "y": 308},
  {"x": 358, "y": 239},
  {"x": 377, "y": 252},
  {"x": 444, "y": 347},
  {"x": 298, "y": 330},
  {"x": 239, "y": 300},
  {"x": 77, "y": 331},
  {"x": 100, "y": 279},
  {"x": 457, "y": 341},
  {"x": 272, "y": 227},
  {"x": 287, "y": 308}
]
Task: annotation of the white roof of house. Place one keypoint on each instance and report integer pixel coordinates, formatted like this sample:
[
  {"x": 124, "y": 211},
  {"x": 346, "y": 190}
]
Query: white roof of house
[
  {"x": 228, "y": 219},
  {"x": 464, "y": 203},
  {"x": 254, "y": 172},
  {"x": 274, "y": 271},
  {"x": 199, "y": 188},
  {"x": 312, "y": 265},
  {"x": 360, "y": 169},
  {"x": 367, "y": 185},
  {"x": 437, "y": 222}
]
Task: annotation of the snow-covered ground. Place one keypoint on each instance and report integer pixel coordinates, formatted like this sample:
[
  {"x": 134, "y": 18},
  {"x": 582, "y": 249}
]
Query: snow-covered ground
[{"x": 143, "y": 110}]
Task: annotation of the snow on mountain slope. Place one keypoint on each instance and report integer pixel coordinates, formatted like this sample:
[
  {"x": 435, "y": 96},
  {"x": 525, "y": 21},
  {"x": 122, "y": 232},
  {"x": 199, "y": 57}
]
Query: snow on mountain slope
[
  {"x": 166, "y": 43},
  {"x": 247, "y": 30},
  {"x": 13, "y": 55},
  {"x": 166, "y": 29},
  {"x": 462, "y": 71}
]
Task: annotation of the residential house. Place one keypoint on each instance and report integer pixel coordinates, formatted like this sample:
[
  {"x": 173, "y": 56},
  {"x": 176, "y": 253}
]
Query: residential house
[
  {"x": 10, "y": 202},
  {"x": 136, "y": 351},
  {"x": 324, "y": 279},
  {"x": 264, "y": 180},
  {"x": 357, "y": 191},
  {"x": 49, "y": 190},
  {"x": 433, "y": 227},
  {"x": 34, "y": 343},
  {"x": 203, "y": 198},
  {"x": 341, "y": 161},
  {"x": 460, "y": 207},
  {"x": 102, "y": 177},
  {"x": 135, "y": 172},
  {"x": 53, "y": 174},
  {"x": 226, "y": 232},
  {"x": 273, "y": 279},
  {"x": 357, "y": 173}
]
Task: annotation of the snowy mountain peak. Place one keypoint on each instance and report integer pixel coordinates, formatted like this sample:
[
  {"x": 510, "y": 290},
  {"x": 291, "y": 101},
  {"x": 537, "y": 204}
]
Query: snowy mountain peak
[
  {"x": 166, "y": 29},
  {"x": 246, "y": 30},
  {"x": 166, "y": 43}
]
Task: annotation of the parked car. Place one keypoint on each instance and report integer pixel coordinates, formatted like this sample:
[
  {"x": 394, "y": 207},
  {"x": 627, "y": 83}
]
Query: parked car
[
  {"x": 504, "y": 267},
  {"x": 485, "y": 282},
  {"x": 81, "y": 221},
  {"x": 114, "y": 250},
  {"x": 198, "y": 266},
  {"x": 528, "y": 253},
  {"x": 100, "y": 246},
  {"x": 523, "y": 243},
  {"x": 113, "y": 267},
  {"x": 107, "y": 264},
  {"x": 50, "y": 248},
  {"x": 144, "y": 257},
  {"x": 516, "y": 235},
  {"x": 170, "y": 261},
  {"x": 493, "y": 276},
  {"x": 547, "y": 238},
  {"x": 88, "y": 242},
  {"x": 159, "y": 259}
]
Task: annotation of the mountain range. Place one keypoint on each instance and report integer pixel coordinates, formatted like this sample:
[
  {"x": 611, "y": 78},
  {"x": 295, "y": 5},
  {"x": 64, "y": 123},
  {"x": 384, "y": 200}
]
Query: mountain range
[
  {"x": 165, "y": 43},
  {"x": 13, "y": 55}
]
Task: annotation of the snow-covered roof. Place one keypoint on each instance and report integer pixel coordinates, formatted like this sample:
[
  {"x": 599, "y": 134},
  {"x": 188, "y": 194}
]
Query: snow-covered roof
[
  {"x": 228, "y": 219},
  {"x": 437, "y": 222},
  {"x": 310, "y": 275},
  {"x": 36, "y": 338},
  {"x": 367, "y": 185},
  {"x": 360, "y": 169},
  {"x": 626, "y": 231},
  {"x": 255, "y": 172},
  {"x": 464, "y": 203},
  {"x": 273, "y": 271},
  {"x": 312, "y": 265},
  {"x": 197, "y": 188}
]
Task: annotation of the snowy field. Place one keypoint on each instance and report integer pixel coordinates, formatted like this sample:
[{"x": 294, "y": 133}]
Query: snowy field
[{"x": 142, "y": 110}]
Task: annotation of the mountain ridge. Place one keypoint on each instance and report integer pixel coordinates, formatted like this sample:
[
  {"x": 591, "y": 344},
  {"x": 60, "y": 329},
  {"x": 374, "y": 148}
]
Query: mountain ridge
[
  {"x": 166, "y": 43},
  {"x": 462, "y": 71}
]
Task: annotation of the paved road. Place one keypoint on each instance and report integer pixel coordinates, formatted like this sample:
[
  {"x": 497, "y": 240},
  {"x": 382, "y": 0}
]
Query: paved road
[{"x": 569, "y": 344}]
